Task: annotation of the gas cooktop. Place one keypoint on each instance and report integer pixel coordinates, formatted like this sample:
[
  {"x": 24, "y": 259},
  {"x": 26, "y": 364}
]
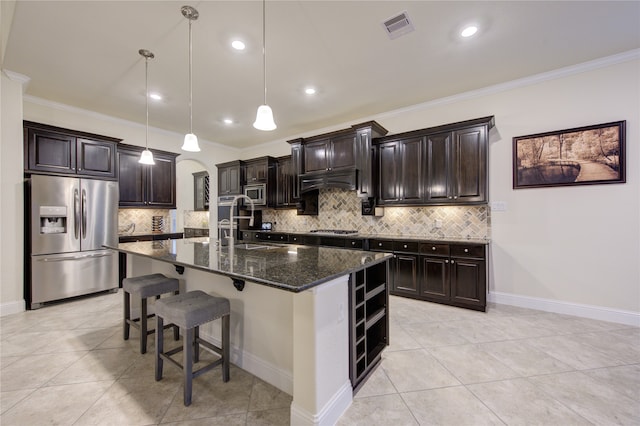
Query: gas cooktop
[{"x": 333, "y": 231}]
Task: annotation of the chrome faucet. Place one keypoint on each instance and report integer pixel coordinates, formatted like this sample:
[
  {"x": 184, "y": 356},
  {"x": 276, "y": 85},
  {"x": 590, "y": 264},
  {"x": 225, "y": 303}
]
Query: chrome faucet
[{"x": 230, "y": 223}]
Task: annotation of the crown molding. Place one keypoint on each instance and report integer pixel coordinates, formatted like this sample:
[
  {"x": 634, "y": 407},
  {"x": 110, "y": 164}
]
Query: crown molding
[{"x": 20, "y": 78}]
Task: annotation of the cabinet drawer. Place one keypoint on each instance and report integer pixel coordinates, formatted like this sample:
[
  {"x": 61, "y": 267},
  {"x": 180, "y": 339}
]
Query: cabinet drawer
[
  {"x": 405, "y": 246},
  {"x": 434, "y": 249},
  {"x": 354, "y": 244},
  {"x": 381, "y": 245},
  {"x": 467, "y": 251}
]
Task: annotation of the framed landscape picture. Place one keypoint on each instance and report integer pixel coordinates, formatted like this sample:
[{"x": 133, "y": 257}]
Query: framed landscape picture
[{"x": 581, "y": 156}]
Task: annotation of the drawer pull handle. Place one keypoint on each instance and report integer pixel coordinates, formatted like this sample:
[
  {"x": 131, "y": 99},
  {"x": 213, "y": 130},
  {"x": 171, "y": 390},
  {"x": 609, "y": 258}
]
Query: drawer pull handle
[{"x": 466, "y": 250}]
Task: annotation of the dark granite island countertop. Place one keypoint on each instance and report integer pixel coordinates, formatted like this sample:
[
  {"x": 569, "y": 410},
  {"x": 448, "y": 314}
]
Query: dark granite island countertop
[{"x": 288, "y": 267}]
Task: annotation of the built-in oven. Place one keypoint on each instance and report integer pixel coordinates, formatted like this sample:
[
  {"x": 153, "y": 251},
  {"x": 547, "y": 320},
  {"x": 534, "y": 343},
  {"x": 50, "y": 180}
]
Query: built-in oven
[{"x": 257, "y": 192}]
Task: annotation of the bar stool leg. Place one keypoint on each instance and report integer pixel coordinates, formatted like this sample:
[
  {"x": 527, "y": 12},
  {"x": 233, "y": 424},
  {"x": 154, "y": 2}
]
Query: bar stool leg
[
  {"x": 127, "y": 314},
  {"x": 143, "y": 325},
  {"x": 187, "y": 361},
  {"x": 196, "y": 345},
  {"x": 159, "y": 348},
  {"x": 176, "y": 329},
  {"x": 225, "y": 348}
]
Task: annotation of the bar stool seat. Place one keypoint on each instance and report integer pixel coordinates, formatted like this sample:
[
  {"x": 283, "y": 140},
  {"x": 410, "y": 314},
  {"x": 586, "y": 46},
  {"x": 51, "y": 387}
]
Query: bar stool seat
[
  {"x": 188, "y": 311},
  {"x": 146, "y": 286}
]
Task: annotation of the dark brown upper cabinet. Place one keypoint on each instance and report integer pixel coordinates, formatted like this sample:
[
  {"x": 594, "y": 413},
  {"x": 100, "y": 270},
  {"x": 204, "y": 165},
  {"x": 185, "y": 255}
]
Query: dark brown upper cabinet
[
  {"x": 434, "y": 166},
  {"x": 257, "y": 170},
  {"x": 340, "y": 159},
  {"x": 285, "y": 180},
  {"x": 55, "y": 150},
  {"x": 147, "y": 186},
  {"x": 230, "y": 178},
  {"x": 457, "y": 166}
]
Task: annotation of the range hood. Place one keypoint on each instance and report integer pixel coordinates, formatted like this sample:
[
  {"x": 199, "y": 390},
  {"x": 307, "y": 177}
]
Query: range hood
[{"x": 342, "y": 179}]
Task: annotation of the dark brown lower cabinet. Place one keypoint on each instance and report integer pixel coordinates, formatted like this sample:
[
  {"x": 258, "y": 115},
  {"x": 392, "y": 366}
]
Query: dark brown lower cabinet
[{"x": 405, "y": 274}]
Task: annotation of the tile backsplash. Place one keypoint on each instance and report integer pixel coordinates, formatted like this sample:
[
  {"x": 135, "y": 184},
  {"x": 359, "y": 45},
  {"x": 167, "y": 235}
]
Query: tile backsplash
[
  {"x": 143, "y": 219},
  {"x": 339, "y": 209},
  {"x": 196, "y": 219}
]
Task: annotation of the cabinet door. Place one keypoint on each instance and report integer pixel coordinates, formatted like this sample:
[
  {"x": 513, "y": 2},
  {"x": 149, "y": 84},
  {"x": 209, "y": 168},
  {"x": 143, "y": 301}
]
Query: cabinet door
[
  {"x": 316, "y": 156},
  {"x": 229, "y": 180},
  {"x": 201, "y": 191},
  {"x": 405, "y": 274},
  {"x": 435, "y": 278},
  {"x": 161, "y": 183},
  {"x": 51, "y": 152},
  {"x": 439, "y": 168},
  {"x": 468, "y": 282},
  {"x": 96, "y": 158},
  {"x": 296, "y": 169},
  {"x": 364, "y": 159},
  {"x": 256, "y": 172},
  {"x": 388, "y": 163},
  {"x": 131, "y": 179},
  {"x": 235, "y": 180},
  {"x": 284, "y": 183},
  {"x": 411, "y": 168},
  {"x": 343, "y": 153},
  {"x": 469, "y": 164}
]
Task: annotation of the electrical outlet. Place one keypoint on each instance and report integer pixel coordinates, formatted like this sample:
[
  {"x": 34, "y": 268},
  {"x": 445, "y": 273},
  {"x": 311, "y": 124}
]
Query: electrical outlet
[{"x": 499, "y": 206}]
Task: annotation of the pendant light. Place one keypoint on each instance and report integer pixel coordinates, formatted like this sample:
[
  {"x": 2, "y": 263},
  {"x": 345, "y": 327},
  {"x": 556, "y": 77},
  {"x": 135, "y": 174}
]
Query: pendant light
[
  {"x": 146, "y": 157},
  {"x": 190, "y": 139},
  {"x": 264, "y": 117}
]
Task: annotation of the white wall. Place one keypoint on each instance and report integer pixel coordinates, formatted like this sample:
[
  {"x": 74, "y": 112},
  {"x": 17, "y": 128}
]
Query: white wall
[
  {"x": 11, "y": 197},
  {"x": 572, "y": 246}
]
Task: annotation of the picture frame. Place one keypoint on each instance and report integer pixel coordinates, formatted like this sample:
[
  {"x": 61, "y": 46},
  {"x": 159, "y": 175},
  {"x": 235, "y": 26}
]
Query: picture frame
[{"x": 579, "y": 156}]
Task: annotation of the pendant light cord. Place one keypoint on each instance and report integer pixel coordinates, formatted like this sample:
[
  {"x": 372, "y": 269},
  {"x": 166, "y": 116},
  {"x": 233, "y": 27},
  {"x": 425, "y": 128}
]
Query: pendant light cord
[
  {"x": 146, "y": 94},
  {"x": 264, "y": 52},
  {"x": 190, "y": 83}
]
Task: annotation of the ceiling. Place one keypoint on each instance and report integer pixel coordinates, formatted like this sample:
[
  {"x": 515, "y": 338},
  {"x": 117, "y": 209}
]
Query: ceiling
[{"x": 85, "y": 54}]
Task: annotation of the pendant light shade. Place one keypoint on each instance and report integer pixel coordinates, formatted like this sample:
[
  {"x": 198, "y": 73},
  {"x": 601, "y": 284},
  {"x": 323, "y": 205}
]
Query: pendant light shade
[
  {"x": 264, "y": 119},
  {"x": 264, "y": 116},
  {"x": 190, "y": 139},
  {"x": 146, "y": 157},
  {"x": 190, "y": 143}
]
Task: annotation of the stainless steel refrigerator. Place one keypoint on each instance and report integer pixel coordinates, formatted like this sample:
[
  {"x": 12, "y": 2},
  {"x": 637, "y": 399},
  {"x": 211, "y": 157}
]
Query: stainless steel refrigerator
[{"x": 70, "y": 221}]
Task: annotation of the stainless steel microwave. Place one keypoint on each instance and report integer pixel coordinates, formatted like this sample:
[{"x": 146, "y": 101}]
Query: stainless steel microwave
[{"x": 257, "y": 192}]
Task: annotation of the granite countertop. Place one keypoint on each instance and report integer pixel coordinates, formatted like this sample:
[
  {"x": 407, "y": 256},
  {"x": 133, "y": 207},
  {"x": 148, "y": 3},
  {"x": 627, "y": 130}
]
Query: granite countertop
[
  {"x": 288, "y": 267},
  {"x": 454, "y": 240}
]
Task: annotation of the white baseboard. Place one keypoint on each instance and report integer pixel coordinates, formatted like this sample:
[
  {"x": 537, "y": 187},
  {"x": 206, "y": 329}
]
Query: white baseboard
[
  {"x": 276, "y": 376},
  {"x": 568, "y": 308},
  {"x": 329, "y": 414},
  {"x": 12, "y": 307}
]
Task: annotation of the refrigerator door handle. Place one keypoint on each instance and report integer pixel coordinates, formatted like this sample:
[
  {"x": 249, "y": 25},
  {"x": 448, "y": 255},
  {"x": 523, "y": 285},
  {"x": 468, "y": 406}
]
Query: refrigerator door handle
[
  {"x": 82, "y": 257},
  {"x": 76, "y": 213},
  {"x": 84, "y": 213}
]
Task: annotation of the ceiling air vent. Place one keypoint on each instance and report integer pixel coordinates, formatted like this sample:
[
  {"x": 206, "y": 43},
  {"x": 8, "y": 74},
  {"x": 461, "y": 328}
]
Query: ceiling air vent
[{"x": 398, "y": 25}]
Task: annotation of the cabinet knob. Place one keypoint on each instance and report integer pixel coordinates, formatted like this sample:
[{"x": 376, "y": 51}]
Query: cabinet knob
[
  {"x": 450, "y": 197},
  {"x": 452, "y": 262},
  {"x": 446, "y": 261},
  {"x": 466, "y": 250},
  {"x": 379, "y": 244},
  {"x": 353, "y": 243},
  {"x": 455, "y": 198},
  {"x": 433, "y": 248},
  {"x": 405, "y": 246}
]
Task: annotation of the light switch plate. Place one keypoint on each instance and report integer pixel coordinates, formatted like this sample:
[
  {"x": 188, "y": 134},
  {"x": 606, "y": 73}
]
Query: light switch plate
[{"x": 499, "y": 206}]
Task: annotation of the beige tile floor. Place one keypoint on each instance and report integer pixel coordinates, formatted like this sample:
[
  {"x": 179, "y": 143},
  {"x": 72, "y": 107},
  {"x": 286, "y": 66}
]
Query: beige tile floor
[{"x": 67, "y": 364}]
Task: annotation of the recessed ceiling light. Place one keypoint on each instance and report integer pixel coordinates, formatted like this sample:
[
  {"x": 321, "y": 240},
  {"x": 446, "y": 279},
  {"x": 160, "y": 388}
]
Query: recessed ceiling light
[
  {"x": 310, "y": 91},
  {"x": 237, "y": 44},
  {"x": 155, "y": 96},
  {"x": 228, "y": 121},
  {"x": 469, "y": 31}
]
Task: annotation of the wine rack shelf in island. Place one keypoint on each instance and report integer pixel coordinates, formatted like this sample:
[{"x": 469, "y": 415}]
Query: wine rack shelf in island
[{"x": 369, "y": 311}]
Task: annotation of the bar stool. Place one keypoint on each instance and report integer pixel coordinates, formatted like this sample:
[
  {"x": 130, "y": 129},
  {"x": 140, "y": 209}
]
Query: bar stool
[
  {"x": 189, "y": 311},
  {"x": 146, "y": 286}
]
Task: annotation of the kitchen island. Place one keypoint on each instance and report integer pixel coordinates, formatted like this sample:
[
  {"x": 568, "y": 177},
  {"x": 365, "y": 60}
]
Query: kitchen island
[{"x": 291, "y": 321}]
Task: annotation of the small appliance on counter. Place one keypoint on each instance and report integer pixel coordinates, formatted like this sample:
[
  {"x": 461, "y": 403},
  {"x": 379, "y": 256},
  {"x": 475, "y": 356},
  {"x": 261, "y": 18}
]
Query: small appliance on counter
[{"x": 266, "y": 226}]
